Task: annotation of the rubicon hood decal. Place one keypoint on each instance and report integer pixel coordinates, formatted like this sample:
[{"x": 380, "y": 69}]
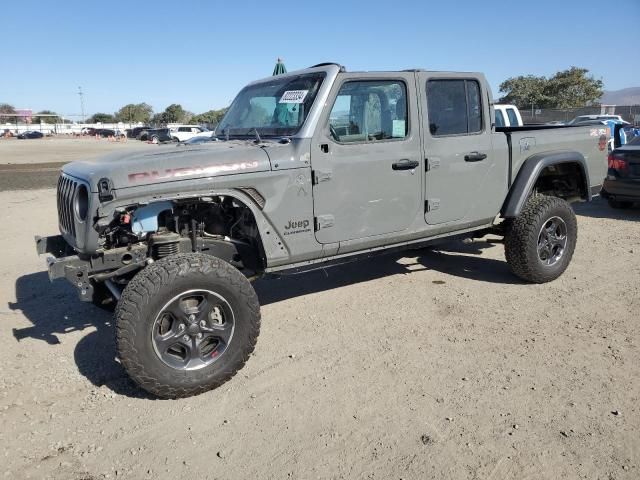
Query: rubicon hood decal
[
  {"x": 191, "y": 171},
  {"x": 170, "y": 163}
]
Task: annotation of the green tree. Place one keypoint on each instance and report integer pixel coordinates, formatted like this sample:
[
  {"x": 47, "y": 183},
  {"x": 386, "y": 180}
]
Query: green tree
[
  {"x": 574, "y": 88},
  {"x": 211, "y": 117},
  {"x": 157, "y": 119},
  {"x": 174, "y": 113},
  {"x": 134, "y": 113},
  {"x": 38, "y": 119},
  {"x": 569, "y": 88},
  {"x": 525, "y": 91},
  {"x": 7, "y": 109},
  {"x": 101, "y": 118}
]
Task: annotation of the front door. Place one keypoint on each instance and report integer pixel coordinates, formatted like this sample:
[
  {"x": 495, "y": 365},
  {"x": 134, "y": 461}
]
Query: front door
[
  {"x": 366, "y": 158},
  {"x": 457, "y": 147}
]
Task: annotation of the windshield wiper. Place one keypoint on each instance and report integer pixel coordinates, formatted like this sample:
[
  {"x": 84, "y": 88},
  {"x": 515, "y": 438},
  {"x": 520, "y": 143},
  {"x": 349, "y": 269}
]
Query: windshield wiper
[{"x": 255, "y": 130}]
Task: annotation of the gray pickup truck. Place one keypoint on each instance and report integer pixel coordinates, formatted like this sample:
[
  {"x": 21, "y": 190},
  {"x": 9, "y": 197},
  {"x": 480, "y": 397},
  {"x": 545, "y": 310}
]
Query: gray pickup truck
[{"x": 308, "y": 169}]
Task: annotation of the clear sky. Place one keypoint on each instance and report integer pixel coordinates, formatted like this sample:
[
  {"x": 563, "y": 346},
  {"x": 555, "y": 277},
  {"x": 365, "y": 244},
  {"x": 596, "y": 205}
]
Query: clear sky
[{"x": 200, "y": 53}]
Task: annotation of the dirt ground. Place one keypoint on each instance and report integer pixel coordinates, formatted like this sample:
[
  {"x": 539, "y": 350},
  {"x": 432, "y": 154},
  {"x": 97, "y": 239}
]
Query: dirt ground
[
  {"x": 33, "y": 164},
  {"x": 436, "y": 364},
  {"x": 60, "y": 149}
]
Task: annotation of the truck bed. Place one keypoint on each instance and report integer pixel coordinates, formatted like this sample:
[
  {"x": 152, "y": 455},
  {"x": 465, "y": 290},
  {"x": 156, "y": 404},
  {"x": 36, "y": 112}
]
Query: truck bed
[{"x": 590, "y": 141}]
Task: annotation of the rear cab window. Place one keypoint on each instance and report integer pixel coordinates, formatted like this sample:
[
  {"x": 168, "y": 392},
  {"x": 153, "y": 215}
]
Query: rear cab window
[{"x": 454, "y": 107}]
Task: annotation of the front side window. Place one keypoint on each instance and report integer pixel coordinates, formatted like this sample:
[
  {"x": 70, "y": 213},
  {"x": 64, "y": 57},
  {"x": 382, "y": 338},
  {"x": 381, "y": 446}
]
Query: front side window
[
  {"x": 499, "y": 119},
  {"x": 454, "y": 107},
  {"x": 277, "y": 107},
  {"x": 369, "y": 111}
]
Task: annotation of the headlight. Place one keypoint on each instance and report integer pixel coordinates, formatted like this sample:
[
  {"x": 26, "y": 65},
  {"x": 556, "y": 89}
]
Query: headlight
[{"x": 81, "y": 203}]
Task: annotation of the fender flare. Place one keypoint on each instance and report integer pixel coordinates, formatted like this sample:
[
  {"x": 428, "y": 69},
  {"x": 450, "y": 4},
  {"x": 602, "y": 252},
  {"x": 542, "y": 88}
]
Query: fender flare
[{"x": 530, "y": 172}]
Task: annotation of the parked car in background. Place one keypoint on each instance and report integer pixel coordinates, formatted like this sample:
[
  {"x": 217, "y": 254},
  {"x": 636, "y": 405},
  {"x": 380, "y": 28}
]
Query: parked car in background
[
  {"x": 135, "y": 131},
  {"x": 30, "y": 134},
  {"x": 143, "y": 135},
  {"x": 507, "y": 116},
  {"x": 181, "y": 133},
  {"x": 159, "y": 135},
  {"x": 621, "y": 187},
  {"x": 105, "y": 132},
  {"x": 580, "y": 119}
]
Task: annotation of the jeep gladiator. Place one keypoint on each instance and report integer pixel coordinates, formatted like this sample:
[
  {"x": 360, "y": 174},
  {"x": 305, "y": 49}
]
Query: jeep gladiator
[{"x": 306, "y": 170}]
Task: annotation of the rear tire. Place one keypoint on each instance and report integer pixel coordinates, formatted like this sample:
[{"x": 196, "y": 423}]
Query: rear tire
[
  {"x": 617, "y": 204},
  {"x": 540, "y": 241},
  {"x": 186, "y": 324}
]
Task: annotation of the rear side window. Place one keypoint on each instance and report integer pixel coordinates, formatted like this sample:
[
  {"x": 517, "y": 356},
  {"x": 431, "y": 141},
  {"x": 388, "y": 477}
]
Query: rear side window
[
  {"x": 369, "y": 111},
  {"x": 499, "y": 119},
  {"x": 513, "y": 118},
  {"x": 454, "y": 107}
]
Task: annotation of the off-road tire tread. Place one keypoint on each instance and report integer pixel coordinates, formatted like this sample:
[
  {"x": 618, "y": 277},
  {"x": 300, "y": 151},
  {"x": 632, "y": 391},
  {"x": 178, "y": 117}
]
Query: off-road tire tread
[
  {"x": 145, "y": 284},
  {"x": 522, "y": 234}
]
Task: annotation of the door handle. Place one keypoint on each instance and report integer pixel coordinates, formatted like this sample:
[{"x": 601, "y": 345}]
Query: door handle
[
  {"x": 474, "y": 157},
  {"x": 405, "y": 164}
]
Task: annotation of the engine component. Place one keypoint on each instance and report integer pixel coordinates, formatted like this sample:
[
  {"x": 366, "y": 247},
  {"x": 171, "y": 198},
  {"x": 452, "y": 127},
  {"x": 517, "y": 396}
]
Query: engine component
[{"x": 145, "y": 219}]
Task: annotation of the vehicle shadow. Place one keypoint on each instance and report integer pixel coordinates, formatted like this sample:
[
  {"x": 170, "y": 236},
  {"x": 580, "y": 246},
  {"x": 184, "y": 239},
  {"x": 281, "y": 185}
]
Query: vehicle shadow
[
  {"x": 54, "y": 310},
  {"x": 454, "y": 258},
  {"x": 599, "y": 208}
]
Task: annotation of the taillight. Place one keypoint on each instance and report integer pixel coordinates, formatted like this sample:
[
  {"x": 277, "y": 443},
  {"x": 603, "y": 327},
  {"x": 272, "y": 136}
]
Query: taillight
[{"x": 616, "y": 162}]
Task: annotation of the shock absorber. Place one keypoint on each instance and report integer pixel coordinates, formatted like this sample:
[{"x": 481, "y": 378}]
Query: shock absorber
[{"x": 164, "y": 244}]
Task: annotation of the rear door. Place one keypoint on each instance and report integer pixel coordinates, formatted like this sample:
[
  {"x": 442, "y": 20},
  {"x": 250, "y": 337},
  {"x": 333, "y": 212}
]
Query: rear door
[
  {"x": 366, "y": 158},
  {"x": 457, "y": 145}
]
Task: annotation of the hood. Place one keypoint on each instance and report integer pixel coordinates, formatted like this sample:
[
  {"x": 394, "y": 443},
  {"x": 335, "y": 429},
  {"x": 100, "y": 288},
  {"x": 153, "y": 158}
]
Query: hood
[{"x": 168, "y": 163}]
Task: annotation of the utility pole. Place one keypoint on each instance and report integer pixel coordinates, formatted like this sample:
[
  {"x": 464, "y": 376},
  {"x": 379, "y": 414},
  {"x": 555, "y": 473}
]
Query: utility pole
[{"x": 81, "y": 102}]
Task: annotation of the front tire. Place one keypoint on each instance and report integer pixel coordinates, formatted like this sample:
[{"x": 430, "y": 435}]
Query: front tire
[
  {"x": 540, "y": 241},
  {"x": 186, "y": 324}
]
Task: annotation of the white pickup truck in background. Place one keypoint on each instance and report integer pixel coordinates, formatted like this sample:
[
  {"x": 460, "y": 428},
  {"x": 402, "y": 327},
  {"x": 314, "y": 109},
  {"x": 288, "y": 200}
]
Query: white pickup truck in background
[{"x": 507, "y": 116}]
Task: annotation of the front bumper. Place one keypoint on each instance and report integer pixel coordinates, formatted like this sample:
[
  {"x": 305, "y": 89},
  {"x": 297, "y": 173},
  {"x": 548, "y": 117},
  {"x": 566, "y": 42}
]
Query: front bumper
[
  {"x": 62, "y": 264},
  {"x": 84, "y": 272}
]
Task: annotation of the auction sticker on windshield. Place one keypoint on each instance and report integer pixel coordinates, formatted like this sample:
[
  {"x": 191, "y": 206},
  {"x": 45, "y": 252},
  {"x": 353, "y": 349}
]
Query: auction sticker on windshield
[{"x": 293, "y": 96}]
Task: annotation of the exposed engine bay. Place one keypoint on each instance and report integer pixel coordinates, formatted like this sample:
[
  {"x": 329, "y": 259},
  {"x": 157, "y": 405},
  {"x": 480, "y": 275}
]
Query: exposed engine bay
[{"x": 217, "y": 225}]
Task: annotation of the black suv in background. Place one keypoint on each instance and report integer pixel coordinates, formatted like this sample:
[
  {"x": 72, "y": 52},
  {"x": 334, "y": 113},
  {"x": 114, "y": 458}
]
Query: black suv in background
[
  {"x": 158, "y": 135},
  {"x": 135, "y": 131}
]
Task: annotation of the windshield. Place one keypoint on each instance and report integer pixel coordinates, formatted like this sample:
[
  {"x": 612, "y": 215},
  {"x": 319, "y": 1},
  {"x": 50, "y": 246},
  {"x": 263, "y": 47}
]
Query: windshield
[{"x": 278, "y": 107}]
